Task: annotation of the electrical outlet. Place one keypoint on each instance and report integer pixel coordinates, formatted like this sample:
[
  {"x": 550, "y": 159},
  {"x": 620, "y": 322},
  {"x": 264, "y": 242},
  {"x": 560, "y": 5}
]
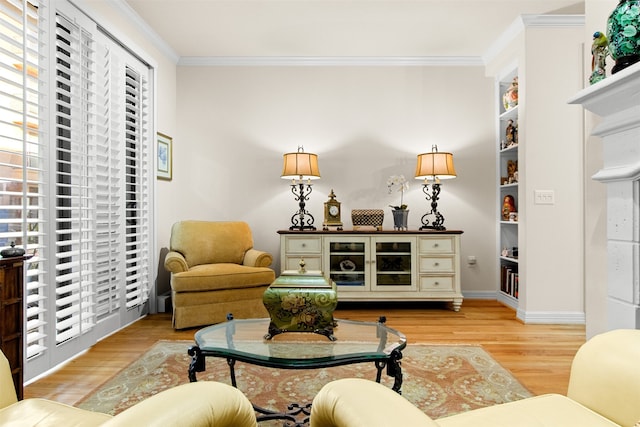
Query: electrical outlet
[{"x": 544, "y": 197}]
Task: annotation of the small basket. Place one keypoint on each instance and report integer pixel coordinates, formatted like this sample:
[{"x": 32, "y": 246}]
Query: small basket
[{"x": 367, "y": 218}]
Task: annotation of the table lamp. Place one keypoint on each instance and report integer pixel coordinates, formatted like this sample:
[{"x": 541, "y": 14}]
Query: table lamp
[
  {"x": 432, "y": 167},
  {"x": 300, "y": 167}
]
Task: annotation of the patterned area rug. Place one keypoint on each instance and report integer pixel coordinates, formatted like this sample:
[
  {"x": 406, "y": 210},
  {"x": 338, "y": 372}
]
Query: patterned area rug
[{"x": 439, "y": 379}]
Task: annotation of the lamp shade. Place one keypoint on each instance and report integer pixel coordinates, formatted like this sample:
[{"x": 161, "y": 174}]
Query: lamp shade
[
  {"x": 300, "y": 165},
  {"x": 435, "y": 165}
]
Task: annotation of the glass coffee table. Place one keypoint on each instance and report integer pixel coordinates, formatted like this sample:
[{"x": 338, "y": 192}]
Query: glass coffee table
[{"x": 244, "y": 340}]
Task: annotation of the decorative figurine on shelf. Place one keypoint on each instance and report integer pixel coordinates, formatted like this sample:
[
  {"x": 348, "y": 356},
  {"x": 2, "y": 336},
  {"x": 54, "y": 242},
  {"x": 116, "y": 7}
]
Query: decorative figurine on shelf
[
  {"x": 599, "y": 52},
  {"x": 512, "y": 171},
  {"x": 508, "y": 206},
  {"x": 511, "y": 134},
  {"x": 510, "y": 97}
]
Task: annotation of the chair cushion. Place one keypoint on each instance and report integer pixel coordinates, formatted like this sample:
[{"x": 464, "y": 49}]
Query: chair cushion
[
  {"x": 206, "y": 242},
  {"x": 221, "y": 276},
  {"x": 548, "y": 410},
  {"x": 43, "y": 413}
]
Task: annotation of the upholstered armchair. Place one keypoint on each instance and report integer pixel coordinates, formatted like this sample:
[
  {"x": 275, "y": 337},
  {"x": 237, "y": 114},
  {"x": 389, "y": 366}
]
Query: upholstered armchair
[
  {"x": 215, "y": 271},
  {"x": 205, "y": 403},
  {"x": 604, "y": 390}
]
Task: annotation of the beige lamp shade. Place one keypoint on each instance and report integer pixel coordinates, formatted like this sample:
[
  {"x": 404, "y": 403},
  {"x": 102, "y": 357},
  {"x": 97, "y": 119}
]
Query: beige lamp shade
[
  {"x": 300, "y": 165},
  {"x": 435, "y": 166}
]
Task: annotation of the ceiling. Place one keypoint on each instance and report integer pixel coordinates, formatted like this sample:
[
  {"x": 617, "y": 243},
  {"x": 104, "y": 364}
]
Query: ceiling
[{"x": 337, "y": 28}]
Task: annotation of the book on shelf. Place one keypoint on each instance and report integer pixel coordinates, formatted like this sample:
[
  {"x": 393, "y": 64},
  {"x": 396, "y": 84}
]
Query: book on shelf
[{"x": 509, "y": 280}]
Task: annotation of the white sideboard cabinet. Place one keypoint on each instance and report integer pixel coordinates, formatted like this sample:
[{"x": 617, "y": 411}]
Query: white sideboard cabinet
[{"x": 380, "y": 265}]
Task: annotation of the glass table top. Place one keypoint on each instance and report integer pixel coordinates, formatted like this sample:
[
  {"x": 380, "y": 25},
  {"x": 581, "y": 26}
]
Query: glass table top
[{"x": 243, "y": 339}]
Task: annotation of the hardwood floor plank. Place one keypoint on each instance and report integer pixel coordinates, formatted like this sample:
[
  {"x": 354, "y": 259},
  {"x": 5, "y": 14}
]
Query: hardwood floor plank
[{"x": 539, "y": 356}]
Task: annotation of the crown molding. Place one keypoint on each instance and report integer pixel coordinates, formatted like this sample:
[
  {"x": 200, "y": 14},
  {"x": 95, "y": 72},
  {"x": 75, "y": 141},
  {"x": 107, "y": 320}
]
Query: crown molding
[
  {"x": 329, "y": 61},
  {"x": 524, "y": 21},
  {"x": 149, "y": 32}
]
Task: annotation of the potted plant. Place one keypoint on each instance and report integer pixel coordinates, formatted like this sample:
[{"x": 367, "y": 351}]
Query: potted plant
[{"x": 400, "y": 212}]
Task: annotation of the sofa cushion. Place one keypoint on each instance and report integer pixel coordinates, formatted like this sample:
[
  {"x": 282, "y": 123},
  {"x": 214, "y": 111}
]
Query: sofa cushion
[
  {"x": 210, "y": 277},
  {"x": 205, "y": 242},
  {"x": 548, "y": 410},
  {"x": 43, "y": 413}
]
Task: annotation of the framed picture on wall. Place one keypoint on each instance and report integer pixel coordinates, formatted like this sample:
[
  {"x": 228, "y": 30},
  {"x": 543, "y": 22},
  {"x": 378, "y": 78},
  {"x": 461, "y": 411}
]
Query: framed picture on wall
[{"x": 165, "y": 157}]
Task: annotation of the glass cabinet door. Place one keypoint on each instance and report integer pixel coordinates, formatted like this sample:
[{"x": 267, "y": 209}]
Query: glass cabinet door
[
  {"x": 348, "y": 262},
  {"x": 393, "y": 268}
]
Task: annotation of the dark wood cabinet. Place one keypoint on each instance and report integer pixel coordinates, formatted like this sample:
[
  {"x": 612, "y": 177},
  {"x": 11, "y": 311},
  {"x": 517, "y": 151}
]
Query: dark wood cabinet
[{"x": 12, "y": 316}]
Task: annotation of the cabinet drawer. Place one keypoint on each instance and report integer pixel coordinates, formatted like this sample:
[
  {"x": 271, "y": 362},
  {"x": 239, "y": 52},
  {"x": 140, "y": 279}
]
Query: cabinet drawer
[
  {"x": 310, "y": 263},
  {"x": 437, "y": 245},
  {"x": 436, "y": 264},
  {"x": 436, "y": 283},
  {"x": 304, "y": 245}
]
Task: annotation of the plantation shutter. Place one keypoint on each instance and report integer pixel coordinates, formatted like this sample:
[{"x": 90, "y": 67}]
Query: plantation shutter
[
  {"x": 22, "y": 154},
  {"x": 76, "y": 176},
  {"x": 108, "y": 209},
  {"x": 75, "y": 139},
  {"x": 138, "y": 163}
]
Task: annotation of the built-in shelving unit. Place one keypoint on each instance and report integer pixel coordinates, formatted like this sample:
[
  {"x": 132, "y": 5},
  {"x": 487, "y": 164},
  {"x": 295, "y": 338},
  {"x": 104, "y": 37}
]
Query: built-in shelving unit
[{"x": 507, "y": 144}]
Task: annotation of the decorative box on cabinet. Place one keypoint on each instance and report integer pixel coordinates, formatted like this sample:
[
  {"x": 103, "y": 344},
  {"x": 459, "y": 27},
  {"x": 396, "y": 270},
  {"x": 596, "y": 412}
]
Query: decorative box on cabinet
[
  {"x": 381, "y": 265},
  {"x": 12, "y": 317}
]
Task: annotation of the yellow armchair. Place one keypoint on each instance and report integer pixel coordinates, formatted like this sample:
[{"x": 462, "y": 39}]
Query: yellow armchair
[
  {"x": 214, "y": 271},
  {"x": 604, "y": 390},
  {"x": 199, "y": 404}
]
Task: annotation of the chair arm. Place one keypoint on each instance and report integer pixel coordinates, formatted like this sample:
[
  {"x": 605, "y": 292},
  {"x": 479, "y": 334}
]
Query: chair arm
[
  {"x": 175, "y": 262},
  {"x": 256, "y": 258},
  {"x": 205, "y": 403},
  {"x": 356, "y": 402},
  {"x": 7, "y": 388},
  {"x": 605, "y": 376}
]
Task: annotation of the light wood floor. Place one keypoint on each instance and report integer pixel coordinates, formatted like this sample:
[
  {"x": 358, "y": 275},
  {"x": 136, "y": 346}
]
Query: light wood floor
[{"x": 538, "y": 355}]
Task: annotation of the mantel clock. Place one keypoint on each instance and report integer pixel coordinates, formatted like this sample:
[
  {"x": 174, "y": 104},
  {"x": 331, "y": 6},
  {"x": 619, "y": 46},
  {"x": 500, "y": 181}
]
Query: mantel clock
[{"x": 332, "y": 213}]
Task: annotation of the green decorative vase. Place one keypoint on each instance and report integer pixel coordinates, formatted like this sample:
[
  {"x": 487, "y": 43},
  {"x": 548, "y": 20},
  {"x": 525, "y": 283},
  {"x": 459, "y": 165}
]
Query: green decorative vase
[{"x": 623, "y": 31}]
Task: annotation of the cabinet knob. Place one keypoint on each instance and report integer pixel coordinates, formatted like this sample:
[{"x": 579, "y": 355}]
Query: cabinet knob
[
  {"x": 436, "y": 264},
  {"x": 304, "y": 245},
  {"x": 436, "y": 283},
  {"x": 435, "y": 245}
]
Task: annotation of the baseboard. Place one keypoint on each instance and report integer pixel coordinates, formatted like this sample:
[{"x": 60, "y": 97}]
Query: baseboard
[
  {"x": 552, "y": 317},
  {"x": 487, "y": 295}
]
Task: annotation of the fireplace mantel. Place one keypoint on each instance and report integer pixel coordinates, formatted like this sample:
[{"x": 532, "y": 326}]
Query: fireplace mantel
[{"x": 616, "y": 100}]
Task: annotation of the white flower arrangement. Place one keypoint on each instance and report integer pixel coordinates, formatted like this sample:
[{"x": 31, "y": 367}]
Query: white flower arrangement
[{"x": 398, "y": 183}]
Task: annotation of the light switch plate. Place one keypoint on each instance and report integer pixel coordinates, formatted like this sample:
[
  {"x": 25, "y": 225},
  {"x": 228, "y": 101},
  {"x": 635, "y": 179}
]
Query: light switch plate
[{"x": 544, "y": 197}]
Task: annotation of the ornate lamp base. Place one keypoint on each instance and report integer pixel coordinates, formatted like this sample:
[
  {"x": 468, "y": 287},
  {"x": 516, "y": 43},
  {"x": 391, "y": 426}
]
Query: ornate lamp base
[{"x": 437, "y": 224}]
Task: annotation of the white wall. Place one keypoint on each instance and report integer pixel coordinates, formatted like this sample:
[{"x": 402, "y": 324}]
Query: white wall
[
  {"x": 365, "y": 124},
  {"x": 595, "y": 208},
  {"x": 554, "y": 161}
]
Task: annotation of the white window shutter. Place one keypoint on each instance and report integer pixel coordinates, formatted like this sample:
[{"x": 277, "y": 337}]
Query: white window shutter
[{"x": 22, "y": 154}]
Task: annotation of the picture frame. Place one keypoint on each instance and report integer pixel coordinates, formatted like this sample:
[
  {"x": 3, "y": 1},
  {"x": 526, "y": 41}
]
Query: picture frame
[{"x": 165, "y": 157}]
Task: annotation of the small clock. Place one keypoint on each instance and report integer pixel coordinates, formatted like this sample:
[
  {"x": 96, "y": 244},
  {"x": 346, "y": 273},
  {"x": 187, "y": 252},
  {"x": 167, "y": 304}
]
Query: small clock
[{"x": 332, "y": 213}]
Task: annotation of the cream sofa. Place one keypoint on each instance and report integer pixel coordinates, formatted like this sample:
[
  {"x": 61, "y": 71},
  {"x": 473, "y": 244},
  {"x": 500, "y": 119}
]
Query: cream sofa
[
  {"x": 198, "y": 404},
  {"x": 604, "y": 390},
  {"x": 215, "y": 271}
]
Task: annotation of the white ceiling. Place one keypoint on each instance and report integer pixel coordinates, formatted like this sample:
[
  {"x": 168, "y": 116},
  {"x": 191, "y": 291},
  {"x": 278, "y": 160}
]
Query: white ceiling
[{"x": 338, "y": 28}]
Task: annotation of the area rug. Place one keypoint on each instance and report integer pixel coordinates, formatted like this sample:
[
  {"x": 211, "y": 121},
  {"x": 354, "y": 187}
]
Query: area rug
[{"x": 441, "y": 380}]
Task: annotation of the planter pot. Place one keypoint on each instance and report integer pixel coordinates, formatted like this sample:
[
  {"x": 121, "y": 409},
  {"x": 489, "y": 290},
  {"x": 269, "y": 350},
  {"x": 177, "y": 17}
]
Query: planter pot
[
  {"x": 623, "y": 31},
  {"x": 400, "y": 219}
]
